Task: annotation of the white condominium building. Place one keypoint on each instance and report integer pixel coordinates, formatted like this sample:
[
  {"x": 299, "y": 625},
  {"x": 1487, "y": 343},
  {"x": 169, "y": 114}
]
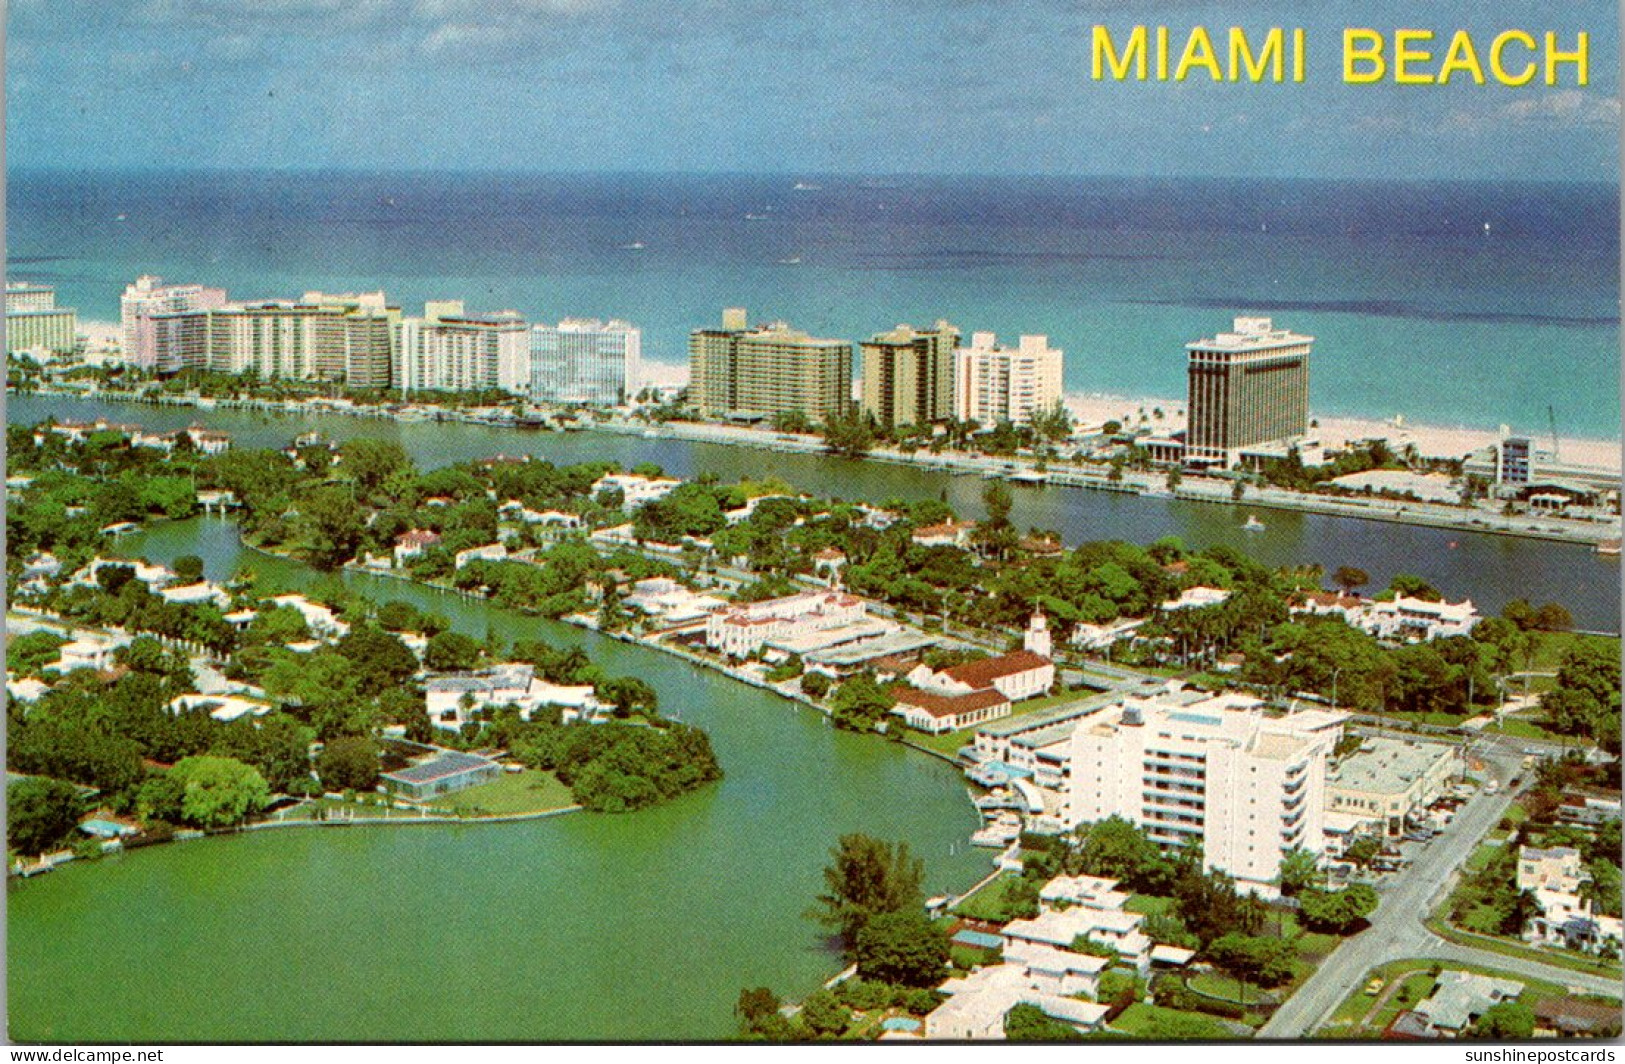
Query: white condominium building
[
  {"x": 448, "y": 350},
  {"x": 1217, "y": 772},
  {"x": 994, "y": 384},
  {"x": 148, "y": 298},
  {"x": 584, "y": 360}
]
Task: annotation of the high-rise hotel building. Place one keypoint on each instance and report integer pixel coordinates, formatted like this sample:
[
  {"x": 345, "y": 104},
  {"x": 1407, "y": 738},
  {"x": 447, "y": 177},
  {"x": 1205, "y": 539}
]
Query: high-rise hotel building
[
  {"x": 35, "y": 323},
  {"x": 347, "y": 338},
  {"x": 1247, "y": 387},
  {"x": 741, "y": 371},
  {"x": 584, "y": 361},
  {"x": 448, "y": 350},
  {"x": 908, "y": 375},
  {"x": 147, "y": 299},
  {"x": 994, "y": 384},
  {"x": 1217, "y": 772}
]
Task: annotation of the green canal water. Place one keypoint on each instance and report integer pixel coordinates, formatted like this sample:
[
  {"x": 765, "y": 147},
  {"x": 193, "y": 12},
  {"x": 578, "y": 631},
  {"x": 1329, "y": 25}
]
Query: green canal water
[
  {"x": 1491, "y": 570},
  {"x": 582, "y": 927}
]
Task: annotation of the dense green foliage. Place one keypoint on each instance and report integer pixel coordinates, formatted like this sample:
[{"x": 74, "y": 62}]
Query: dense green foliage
[
  {"x": 1338, "y": 911},
  {"x": 616, "y": 768},
  {"x": 204, "y": 791},
  {"x": 866, "y": 877},
  {"x": 1027, "y": 1023},
  {"x": 904, "y": 947},
  {"x": 40, "y": 814}
]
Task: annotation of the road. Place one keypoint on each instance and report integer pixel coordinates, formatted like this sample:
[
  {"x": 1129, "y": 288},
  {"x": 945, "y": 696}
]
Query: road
[{"x": 1396, "y": 931}]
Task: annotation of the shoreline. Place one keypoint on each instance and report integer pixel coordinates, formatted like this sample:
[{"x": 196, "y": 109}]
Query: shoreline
[{"x": 1426, "y": 440}]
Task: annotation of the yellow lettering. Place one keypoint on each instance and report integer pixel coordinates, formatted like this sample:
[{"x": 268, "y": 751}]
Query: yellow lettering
[
  {"x": 1105, "y": 54},
  {"x": 1461, "y": 56},
  {"x": 1364, "y": 46},
  {"x": 1404, "y": 56},
  {"x": 1241, "y": 55},
  {"x": 1198, "y": 52},
  {"x": 1501, "y": 73},
  {"x": 1162, "y": 53},
  {"x": 1297, "y": 55},
  {"x": 1579, "y": 57}
]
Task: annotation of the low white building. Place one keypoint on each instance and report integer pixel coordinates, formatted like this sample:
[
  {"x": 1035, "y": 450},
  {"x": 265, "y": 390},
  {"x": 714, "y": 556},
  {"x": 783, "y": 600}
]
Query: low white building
[
  {"x": 1389, "y": 780},
  {"x": 745, "y": 628},
  {"x": 978, "y": 1003},
  {"x": 451, "y": 700},
  {"x": 154, "y": 576},
  {"x": 1399, "y": 619},
  {"x": 222, "y": 707},
  {"x": 670, "y": 602},
  {"x": 934, "y": 713},
  {"x": 490, "y": 552},
  {"x": 1405, "y": 618},
  {"x": 1018, "y": 675},
  {"x": 414, "y": 542},
  {"x": 1556, "y": 877},
  {"x": 321, "y": 620},
  {"x": 635, "y": 490},
  {"x": 945, "y": 534},
  {"x": 197, "y": 594},
  {"x": 88, "y": 652},
  {"x": 1196, "y": 598}
]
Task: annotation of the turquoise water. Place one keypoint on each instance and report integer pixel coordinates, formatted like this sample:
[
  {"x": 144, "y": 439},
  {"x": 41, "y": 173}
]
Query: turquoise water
[
  {"x": 1491, "y": 570},
  {"x": 581, "y": 927},
  {"x": 1452, "y": 303}
]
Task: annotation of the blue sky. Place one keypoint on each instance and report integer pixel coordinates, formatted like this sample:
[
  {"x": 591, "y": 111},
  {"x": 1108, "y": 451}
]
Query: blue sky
[{"x": 922, "y": 86}]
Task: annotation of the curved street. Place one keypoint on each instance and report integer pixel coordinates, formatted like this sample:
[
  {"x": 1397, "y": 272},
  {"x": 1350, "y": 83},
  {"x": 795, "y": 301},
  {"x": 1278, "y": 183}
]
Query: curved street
[{"x": 1396, "y": 931}]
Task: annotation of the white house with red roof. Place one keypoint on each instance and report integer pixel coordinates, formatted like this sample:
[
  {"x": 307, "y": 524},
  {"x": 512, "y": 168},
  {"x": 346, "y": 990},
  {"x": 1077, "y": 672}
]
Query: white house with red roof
[
  {"x": 936, "y": 713},
  {"x": 743, "y": 628},
  {"x": 413, "y": 543}
]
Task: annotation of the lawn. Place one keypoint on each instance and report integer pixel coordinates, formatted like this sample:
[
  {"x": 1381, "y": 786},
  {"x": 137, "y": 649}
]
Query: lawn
[
  {"x": 1417, "y": 984},
  {"x": 1482, "y": 856},
  {"x": 1229, "y": 988},
  {"x": 1512, "y": 948},
  {"x": 1139, "y": 1020},
  {"x": 1149, "y": 905},
  {"x": 950, "y": 742},
  {"x": 988, "y": 903},
  {"x": 514, "y": 792},
  {"x": 1552, "y": 646},
  {"x": 1523, "y": 729}
]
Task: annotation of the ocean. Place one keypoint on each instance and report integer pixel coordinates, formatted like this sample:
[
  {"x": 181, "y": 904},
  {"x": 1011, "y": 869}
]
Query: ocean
[{"x": 1446, "y": 302}]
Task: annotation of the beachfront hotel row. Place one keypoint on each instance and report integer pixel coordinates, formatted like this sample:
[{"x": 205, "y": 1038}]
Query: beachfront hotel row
[{"x": 1248, "y": 388}]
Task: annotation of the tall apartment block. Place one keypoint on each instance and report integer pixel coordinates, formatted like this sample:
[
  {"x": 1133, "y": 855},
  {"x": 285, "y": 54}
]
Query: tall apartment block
[
  {"x": 738, "y": 371},
  {"x": 584, "y": 361},
  {"x": 345, "y": 338},
  {"x": 908, "y": 375},
  {"x": 148, "y": 298},
  {"x": 1217, "y": 772},
  {"x": 35, "y": 323},
  {"x": 449, "y": 350},
  {"x": 994, "y": 384},
  {"x": 1247, "y": 387}
]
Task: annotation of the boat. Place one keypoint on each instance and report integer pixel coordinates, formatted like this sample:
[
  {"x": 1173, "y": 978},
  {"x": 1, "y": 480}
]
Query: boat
[
  {"x": 1253, "y": 524},
  {"x": 636, "y": 245},
  {"x": 794, "y": 260},
  {"x": 1608, "y": 548},
  {"x": 805, "y": 186}
]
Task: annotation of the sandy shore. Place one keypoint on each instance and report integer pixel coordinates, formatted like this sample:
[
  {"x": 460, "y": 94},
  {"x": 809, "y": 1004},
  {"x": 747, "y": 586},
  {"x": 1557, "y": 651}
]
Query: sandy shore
[{"x": 1432, "y": 441}]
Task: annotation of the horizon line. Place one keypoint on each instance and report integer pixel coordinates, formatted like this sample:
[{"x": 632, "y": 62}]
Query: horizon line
[{"x": 478, "y": 171}]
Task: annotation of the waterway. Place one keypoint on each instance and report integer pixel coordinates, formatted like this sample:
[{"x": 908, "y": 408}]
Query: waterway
[
  {"x": 584, "y": 927},
  {"x": 1489, "y": 569}
]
